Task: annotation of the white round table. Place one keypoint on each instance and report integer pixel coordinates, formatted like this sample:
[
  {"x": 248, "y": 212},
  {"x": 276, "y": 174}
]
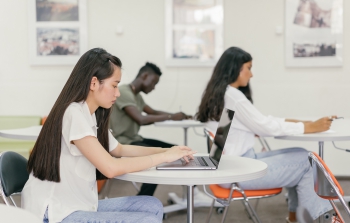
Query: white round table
[
  {"x": 185, "y": 124},
  {"x": 29, "y": 133},
  {"x": 231, "y": 169},
  {"x": 339, "y": 131},
  {"x": 17, "y": 215}
]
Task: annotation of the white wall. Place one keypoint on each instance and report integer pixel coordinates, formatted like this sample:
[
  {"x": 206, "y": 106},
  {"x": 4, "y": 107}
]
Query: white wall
[{"x": 250, "y": 24}]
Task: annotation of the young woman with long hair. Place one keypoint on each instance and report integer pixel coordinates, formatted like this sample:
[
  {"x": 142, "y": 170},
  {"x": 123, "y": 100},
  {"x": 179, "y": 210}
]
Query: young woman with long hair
[
  {"x": 75, "y": 147},
  {"x": 287, "y": 168}
]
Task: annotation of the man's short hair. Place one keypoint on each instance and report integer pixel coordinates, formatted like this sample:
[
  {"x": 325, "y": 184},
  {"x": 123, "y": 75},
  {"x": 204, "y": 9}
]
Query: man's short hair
[{"x": 149, "y": 67}]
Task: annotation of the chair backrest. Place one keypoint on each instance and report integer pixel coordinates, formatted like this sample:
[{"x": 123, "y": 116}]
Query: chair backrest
[
  {"x": 13, "y": 173},
  {"x": 210, "y": 138},
  {"x": 325, "y": 184}
]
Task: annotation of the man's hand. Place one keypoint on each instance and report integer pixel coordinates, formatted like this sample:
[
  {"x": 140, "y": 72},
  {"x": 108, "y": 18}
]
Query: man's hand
[{"x": 180, "y": 116}]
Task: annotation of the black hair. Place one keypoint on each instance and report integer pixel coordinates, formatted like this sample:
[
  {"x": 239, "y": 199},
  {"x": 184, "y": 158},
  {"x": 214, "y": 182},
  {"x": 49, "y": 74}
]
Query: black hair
[
  {"x": 44, "y": 161},
  {"x": 247, "y": 92},
  {"x": 225, "y": 72},
  {"x": 149, "y": 67}
]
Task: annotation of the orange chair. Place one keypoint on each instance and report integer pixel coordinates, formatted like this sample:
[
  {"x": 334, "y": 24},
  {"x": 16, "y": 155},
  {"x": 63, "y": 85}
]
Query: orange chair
[
  {"x": 43, "y": 120},
  {"x": 327, "y": 186},
  {"x": 225, "y": 195}
]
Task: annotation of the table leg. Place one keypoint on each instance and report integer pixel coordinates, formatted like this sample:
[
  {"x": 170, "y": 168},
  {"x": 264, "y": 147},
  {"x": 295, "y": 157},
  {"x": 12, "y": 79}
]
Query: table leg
[
  {"x": 185, "y": 135},
  {"x": 189, "y": 203},
  {"x": 320, "y": 148}
]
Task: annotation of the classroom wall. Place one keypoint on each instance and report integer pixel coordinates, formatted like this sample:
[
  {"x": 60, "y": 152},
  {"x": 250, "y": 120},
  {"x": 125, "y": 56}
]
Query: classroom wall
[{"x": 250, "y": 24}]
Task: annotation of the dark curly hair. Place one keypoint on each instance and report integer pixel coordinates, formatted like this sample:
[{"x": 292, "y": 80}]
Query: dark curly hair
[{"x": 149, "y": 67}]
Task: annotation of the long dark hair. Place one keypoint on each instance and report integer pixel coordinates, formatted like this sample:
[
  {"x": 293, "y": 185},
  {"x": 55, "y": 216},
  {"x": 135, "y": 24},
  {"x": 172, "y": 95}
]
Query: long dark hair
[
  {"x": 44, "y": 160},
  {"x": 247, "y": 92},
  {"x": 225, "y": 72}
]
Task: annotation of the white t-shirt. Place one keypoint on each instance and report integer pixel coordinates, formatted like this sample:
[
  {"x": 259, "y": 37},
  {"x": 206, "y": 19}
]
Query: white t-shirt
[
  {"x": 248, "y": 122},
  {"x": 77, "y": 190}
]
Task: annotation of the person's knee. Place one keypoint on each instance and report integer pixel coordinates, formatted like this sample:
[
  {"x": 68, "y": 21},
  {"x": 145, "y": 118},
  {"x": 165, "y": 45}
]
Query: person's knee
[
  {"x": 150, "y": 218},
  {"x": 300, "y": 149},
  {"x": 156, "y": 204}
]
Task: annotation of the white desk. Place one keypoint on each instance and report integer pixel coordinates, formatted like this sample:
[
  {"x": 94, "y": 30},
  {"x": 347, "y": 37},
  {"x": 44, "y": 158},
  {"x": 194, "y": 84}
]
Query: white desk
[
  {"x": 231, "y": 169},
  {"x": 29, "y": 133},
  {"x": 340, "y": 131},
  {"x": 17, "y": 215},
  {"x": 185, "y": 124}
]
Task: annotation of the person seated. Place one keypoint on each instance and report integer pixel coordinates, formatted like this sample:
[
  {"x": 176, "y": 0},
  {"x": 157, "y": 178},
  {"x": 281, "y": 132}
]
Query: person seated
[
  {"x": 75, "y": 148},
  {"x": 130, "y": 112},
  {"x": 287, "y": 168}
]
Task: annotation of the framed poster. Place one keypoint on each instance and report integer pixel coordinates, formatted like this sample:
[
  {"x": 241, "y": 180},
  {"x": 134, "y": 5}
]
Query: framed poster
[
  {"x": 57, "y": 31},
  {"x": 314, "y": 33},
  {"x": 193, "y": 32}
]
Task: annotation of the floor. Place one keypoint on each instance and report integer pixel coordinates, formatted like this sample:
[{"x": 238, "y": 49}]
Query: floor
[{"x": 270, "y": 210}]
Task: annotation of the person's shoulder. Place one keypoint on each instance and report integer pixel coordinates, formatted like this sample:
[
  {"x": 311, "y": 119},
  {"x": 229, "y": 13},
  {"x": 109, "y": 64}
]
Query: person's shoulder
[
  {"x": 235, "y": 94},
  {"x": 75, "y": 107},
  {"x": 124, "y": 87}
]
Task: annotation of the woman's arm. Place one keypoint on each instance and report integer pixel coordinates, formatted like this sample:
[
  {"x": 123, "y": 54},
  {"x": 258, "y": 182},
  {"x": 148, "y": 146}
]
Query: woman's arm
[
  {"x": 111, "y": 167},
  {"x": 320, "y": 125},
  {"x": 133, "y": 151},
  {"x": 295, "y": 120}
]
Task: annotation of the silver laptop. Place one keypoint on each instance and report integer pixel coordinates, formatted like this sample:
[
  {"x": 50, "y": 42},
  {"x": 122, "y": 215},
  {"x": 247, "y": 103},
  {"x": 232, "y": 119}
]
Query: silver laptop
[{"x": 204, "y": 162}]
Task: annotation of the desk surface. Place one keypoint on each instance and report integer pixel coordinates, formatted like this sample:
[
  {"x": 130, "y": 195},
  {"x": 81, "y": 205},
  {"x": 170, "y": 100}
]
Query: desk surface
[
  {"x": 16, "y": 215},
  {"x": 183, "y": 123},
  {"x": 340, "y": 131},
  {"x": 231, "y": 169},
  {"x": 29, "y": 133}
]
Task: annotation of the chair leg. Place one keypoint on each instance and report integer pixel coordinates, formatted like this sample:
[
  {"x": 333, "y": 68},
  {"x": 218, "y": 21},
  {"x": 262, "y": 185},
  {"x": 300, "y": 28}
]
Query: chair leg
[
  {"x": 337, "y": 211},
  {"x": 4, "y": 198},
  {"x": 13, "y": 202},
  {"x": 136, "y": 186},
  {"x": 210, "y": 211},
  {"x": 224, "y": 215},
  {"x": 251, "y": 211},
  {"x": 345, "y": 205}
]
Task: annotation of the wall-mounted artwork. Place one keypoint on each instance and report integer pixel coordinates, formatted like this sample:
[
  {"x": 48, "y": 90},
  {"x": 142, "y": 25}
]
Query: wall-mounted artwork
[
  {"x": 314, "y": 33},
  {"x": 57, "y": 31},
  {"x": 194, "y": 32}
]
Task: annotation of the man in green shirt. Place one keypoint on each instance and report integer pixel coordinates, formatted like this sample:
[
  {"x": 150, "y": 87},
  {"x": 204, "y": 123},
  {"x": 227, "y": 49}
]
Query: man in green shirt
[{"x": 126, "y": 117}]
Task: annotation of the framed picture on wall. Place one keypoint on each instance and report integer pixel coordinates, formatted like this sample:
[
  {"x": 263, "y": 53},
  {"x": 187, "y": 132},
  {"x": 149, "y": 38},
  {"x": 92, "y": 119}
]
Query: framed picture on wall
[
  {"x": 314, "y": 33},
  {"x": 57, "y": 31},
  {"x": 193, "y": 32}
]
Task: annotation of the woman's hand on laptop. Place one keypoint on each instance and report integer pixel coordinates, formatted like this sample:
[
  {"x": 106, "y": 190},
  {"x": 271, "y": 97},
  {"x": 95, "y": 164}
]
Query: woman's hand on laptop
[{"x": 178, "y": 152}]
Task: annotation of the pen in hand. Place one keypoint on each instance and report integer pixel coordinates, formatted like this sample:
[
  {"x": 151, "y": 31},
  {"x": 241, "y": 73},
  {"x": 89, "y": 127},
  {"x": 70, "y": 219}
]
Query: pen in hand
[{"x": 331, "y": 118}]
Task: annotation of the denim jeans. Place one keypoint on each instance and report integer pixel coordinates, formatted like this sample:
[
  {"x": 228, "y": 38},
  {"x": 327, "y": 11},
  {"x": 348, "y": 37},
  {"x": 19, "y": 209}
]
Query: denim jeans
[
  {"x": 140, "y": 209},
  {"x": 289, "y": 168}
]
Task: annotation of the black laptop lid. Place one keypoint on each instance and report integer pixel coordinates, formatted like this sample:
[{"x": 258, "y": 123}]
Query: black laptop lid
[{"x": 221, "y": 134}]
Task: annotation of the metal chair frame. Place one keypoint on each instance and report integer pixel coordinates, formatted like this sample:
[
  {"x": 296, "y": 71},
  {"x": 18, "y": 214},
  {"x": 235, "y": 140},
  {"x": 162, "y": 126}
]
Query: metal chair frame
[
  {"x": 326, "y": 184},
  {"x": 235, "y": 186}
]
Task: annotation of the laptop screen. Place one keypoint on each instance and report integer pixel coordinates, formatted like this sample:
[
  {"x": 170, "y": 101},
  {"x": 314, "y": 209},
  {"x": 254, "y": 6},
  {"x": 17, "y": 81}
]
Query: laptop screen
[{"x": 221, "y": 135}]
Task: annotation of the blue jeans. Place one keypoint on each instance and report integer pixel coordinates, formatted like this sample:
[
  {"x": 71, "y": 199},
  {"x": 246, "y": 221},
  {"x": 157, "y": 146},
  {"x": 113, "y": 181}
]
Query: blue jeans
[
  {"x": 289, "y": 168},
  {"x": 140, "y": 209}
]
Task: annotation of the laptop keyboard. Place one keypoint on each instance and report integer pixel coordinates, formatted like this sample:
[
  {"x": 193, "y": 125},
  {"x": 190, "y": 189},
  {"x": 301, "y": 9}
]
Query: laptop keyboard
[{"x": 197, "y": 161}]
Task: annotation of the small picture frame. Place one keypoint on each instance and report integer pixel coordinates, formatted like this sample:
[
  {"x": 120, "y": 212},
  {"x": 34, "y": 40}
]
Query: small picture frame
[
  {"x": 57, "y": 31},
  {"x": 193, "y": 32},
  {"x": 314, "y": 33}
]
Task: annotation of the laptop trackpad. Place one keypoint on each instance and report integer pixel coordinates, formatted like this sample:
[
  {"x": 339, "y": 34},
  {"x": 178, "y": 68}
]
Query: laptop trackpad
[{"x": 176, "y": 163}]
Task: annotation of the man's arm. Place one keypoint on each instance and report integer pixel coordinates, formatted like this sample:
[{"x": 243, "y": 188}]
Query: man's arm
[
  {"x": 153, "y": 116},
  {"x": 179, "y": 115},
  {"x": 148, "y": 119}
]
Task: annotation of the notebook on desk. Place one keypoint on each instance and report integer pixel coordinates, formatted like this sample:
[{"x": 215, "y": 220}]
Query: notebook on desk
[{"x": 203, "y": 162}]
